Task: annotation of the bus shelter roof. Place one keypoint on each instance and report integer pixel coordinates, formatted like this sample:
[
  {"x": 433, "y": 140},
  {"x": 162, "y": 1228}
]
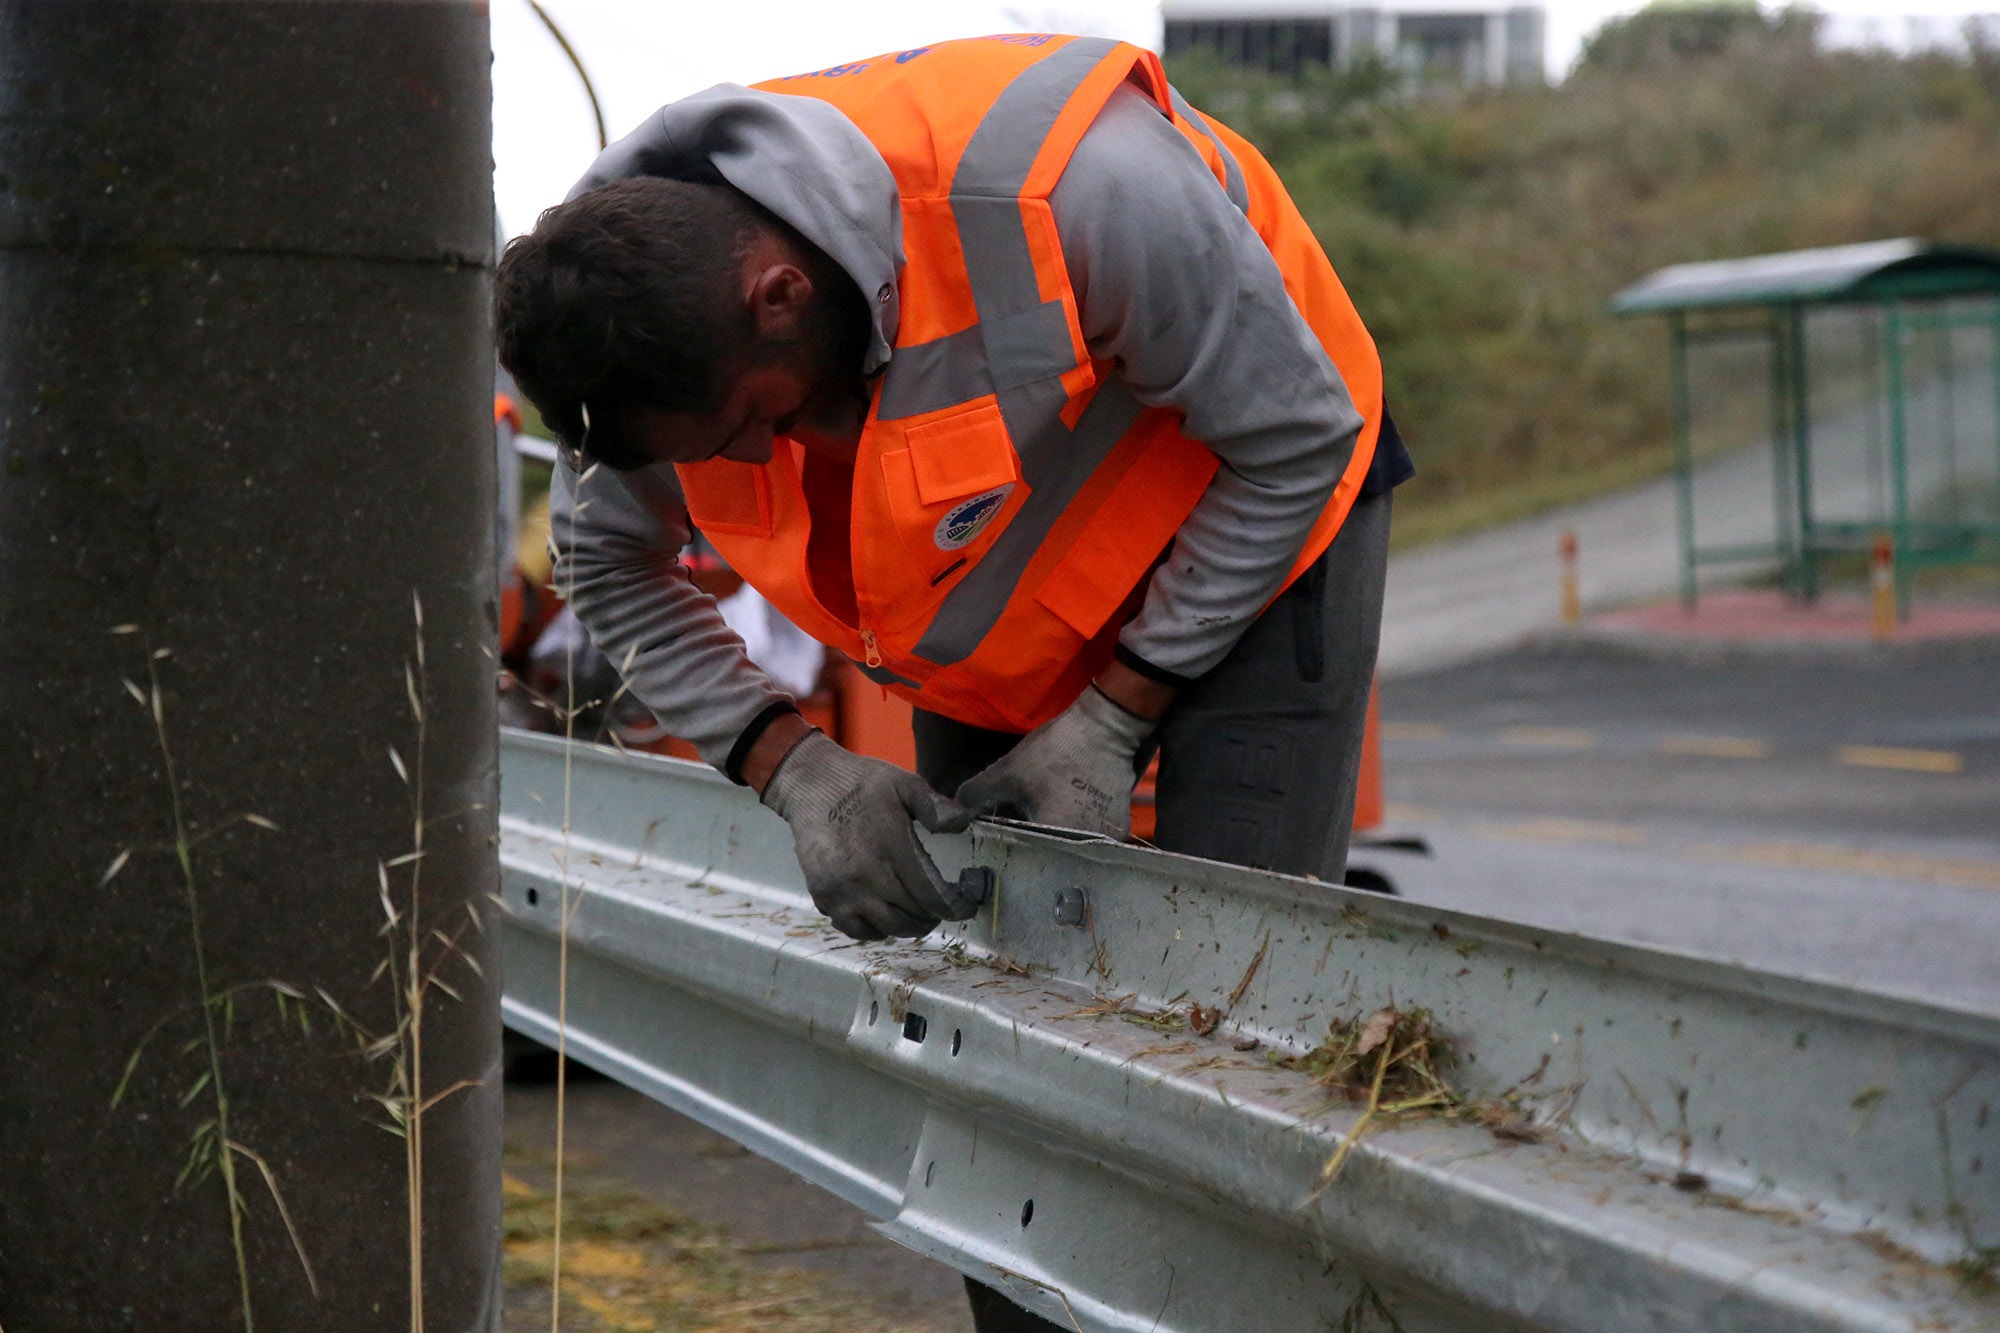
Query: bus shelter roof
[{"x": 1870, "y": 271}]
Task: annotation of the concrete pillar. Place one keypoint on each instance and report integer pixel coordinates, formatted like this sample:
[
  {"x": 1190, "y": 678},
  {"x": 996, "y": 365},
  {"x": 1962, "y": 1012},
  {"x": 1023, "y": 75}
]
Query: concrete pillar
[{"x": 245, "y": 416}]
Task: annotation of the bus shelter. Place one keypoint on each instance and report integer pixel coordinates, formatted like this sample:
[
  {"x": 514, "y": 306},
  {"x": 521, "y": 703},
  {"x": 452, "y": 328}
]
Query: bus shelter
[{"x": 1907, "y": 438}]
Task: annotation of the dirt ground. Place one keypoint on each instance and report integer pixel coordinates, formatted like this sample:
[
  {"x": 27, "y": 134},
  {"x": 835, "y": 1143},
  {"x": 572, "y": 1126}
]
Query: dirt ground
[{"x": 668, "y": 1227}]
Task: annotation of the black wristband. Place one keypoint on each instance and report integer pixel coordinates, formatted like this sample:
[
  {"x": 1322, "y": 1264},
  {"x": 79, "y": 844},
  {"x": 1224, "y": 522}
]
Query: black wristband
[
  {"x": 1148, "y": 670},
  {"x": 732, "y": 768}
]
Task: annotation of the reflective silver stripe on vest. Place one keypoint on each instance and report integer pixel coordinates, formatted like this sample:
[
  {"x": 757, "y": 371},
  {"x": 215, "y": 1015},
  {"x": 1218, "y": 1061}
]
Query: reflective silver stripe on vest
[
  {"x": 1018, "y": 350},
  {"x": 884, "y": 676},
  {"x": 1066, "y": 459},
  {"x": 1025, "y": 344},
  {"x": 994, "y": 354},
  {"x": 926, "y": 377},
  {"x": 1019, "y": 338},
  {"x": 1232, "y": 183}
]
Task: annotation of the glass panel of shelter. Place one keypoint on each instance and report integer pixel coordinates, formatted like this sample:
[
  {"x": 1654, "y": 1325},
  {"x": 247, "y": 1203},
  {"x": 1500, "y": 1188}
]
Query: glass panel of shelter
[{"x": 1880, "y": 417}]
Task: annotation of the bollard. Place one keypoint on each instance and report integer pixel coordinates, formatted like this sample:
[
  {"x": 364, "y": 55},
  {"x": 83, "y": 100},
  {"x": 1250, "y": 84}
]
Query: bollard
[
  {"x": 1882, "y": 582},
  {"x": 1572, "y": 602}
]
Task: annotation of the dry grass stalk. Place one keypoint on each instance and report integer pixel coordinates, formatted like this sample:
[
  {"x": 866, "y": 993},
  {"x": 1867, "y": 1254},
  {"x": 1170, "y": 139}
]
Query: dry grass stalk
[
  {"x": 1369, "y": 1313},
  {"x": 411, "y": 990},
  {"x": 566, "y": 909},
  {"x": 413, "y": 976},
  {"x": 1123, "y": 1006},
  {"x": 1250, "y": 972},
  {"x": 414, "y": 961},
  {"x": 1978, "y": 1272},
  {"x": 1393, "y": 1063},
  {"x": 1045, "y": 1286},
  {"x": 212, "y": 1147}
]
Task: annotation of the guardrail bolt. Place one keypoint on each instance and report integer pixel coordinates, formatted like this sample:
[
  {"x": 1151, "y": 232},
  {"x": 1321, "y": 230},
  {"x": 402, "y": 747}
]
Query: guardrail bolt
[
  {"x": 1072, "y": 907},
  {"x": 975, "y": 883}
]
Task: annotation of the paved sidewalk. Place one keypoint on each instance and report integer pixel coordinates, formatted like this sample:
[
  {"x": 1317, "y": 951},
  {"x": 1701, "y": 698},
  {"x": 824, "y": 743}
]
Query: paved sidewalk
[
  {"x": 1750, "y": 618},
  {"x": 1460, "y": 600}
]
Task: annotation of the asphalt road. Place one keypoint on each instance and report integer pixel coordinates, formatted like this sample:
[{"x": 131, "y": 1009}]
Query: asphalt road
[
  {"x": 1902, "y": 742},
  {"x": 1833, "y": 813}
]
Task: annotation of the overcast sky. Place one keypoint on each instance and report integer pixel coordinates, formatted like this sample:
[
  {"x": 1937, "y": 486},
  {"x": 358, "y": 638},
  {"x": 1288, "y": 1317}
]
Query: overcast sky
[{"x": 641, "y": 53}]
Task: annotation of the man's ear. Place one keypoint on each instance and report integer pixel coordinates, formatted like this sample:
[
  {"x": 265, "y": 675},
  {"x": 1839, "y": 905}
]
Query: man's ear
[{"x": 779, "y": 296}]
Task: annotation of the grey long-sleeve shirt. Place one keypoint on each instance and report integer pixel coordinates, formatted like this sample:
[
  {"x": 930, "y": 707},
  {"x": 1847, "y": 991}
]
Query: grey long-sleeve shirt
[{"x": 1173, "y": 286}]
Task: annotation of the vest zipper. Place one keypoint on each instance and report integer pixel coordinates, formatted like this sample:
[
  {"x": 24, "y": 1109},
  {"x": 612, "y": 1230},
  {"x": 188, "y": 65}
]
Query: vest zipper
[{"x": 868, "y": 646}]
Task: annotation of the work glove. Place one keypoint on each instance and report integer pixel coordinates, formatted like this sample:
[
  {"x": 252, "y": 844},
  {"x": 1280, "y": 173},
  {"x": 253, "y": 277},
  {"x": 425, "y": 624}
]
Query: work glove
[
  {"x": 1074, "y": 771},
  {"x": 851, "y": 823}
]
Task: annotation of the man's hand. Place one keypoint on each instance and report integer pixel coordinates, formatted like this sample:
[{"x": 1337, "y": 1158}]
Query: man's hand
[
  {"x": 1074, "y": 771},
  {"x": 851, "y": 822}
]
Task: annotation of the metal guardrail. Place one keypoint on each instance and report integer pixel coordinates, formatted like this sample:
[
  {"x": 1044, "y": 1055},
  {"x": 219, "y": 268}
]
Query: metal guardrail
[
  {"x": 536, "y": 448},
  {"x": 1718, "y": 1148}
]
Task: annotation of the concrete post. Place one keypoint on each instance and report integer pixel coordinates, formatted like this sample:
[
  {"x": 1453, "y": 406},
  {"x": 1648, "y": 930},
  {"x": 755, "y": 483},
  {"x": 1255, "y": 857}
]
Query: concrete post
[{"x": 245, "y": 421}]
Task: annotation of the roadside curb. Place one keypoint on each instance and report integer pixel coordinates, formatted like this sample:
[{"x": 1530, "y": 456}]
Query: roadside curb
[{"x": 1695, "y": 649}]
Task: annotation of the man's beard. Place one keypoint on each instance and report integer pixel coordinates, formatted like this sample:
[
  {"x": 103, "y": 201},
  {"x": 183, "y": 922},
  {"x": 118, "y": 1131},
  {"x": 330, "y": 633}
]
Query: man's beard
[{"x": 828, "y": 352}]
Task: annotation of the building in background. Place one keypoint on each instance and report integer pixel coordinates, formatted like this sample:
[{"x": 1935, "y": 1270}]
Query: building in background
[
  {"x": 1906, "y": 33},
  {"x": 1450, "y": 41}
]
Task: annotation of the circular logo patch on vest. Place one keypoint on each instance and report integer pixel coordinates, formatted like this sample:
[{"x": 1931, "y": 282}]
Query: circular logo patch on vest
[{"x": 969, "y": 518}]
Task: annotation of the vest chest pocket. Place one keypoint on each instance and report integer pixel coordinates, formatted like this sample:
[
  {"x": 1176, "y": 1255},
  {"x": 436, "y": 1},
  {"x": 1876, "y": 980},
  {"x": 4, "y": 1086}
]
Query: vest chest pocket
[
  {"x": 724, "y": 496},
  {"x": 950, "y": 483}
]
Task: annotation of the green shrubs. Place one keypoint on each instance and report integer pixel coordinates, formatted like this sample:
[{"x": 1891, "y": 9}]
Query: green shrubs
[{"x": 1480, "y": 232}]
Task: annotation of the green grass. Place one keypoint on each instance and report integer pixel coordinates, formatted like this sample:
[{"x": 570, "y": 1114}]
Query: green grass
[
  {"x": 1424, "y": 521},
  {"x": 1481, "y": 232},
  {"x": 632, "y": 1266}
]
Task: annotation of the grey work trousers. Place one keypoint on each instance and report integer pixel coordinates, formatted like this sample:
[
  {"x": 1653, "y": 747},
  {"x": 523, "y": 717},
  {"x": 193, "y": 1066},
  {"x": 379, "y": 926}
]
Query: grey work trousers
[{"x": 1259, "y": 758}]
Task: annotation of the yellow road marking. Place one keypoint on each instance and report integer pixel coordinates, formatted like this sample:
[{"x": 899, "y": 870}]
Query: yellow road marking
[
  {"x": 1413, "y": 731},
  {"x": 1556, "y": 829},
  {"x": 1852, "y": 861},
  {"x": 1717, "y": 747},
  {"x": 1890, "y": 756},
  {"x": 1550, "y": 738}
]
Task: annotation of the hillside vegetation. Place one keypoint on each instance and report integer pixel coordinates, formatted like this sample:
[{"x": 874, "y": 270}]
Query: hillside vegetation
[{"x": 1480, "y": 233}]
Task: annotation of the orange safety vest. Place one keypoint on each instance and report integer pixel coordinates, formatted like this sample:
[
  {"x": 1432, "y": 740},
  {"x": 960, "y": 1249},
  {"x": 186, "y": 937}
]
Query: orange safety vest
[{"x": 1010, "y": 496}]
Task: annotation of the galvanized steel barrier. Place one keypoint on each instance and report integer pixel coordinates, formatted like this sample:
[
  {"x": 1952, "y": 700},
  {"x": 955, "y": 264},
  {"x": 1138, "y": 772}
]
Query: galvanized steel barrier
[{"x": 1719, "y": 1148}]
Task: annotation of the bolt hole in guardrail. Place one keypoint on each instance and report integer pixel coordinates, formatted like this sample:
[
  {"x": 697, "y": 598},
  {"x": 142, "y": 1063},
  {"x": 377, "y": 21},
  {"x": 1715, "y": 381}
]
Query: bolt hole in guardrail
[
  {"x": 1072, "y": 907},
  {"x": 534, "y": 898},
  {"x": 957, "y": 1040},
  {"x": 914, "y": 1027},
  {"x": 929, "y": 1172},
  {"x": 874, "y": 1011},
  {"x": 1027, "y": 1212}
]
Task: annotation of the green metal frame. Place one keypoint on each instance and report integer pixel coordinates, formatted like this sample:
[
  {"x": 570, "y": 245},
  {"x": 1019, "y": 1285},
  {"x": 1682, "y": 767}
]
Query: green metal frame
[
  {"x": 1910, "y": 293},
  {"x": 1790, "y": 456},
  {"x": 1802, "y": 537}
]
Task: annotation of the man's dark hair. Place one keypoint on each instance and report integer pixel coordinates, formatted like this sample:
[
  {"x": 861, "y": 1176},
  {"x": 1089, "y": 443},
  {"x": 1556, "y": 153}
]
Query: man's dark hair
[{"x": 623, "y": 298}]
